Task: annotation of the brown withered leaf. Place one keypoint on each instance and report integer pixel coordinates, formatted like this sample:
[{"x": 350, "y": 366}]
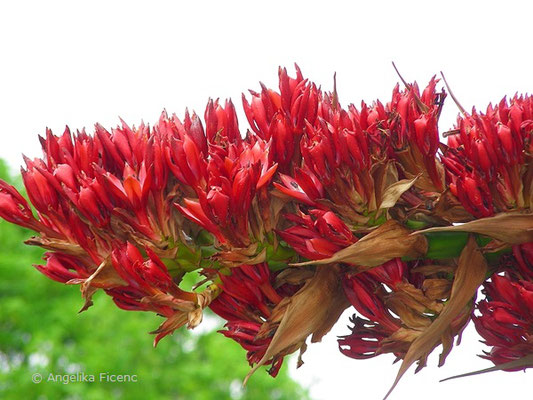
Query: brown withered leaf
[
  {"x": 527, "y": 192},
  {"x": 164, "y": 299},
  {"x": 313, "y": 310},
  {"x": 276, "y": 206},
  {"x": 470, "y": 274},
  {"x": 417, "y": 296},
  {"x": 395, "y": 191},
  {"x": 268, "y": 328},
  {"x": 293, "y": 276},
  {"x": 235, "y": 257},
  {"x": 256, "y": 221},
  {"x": 525, "y": 362},
  {"x": 399, "y": 341},
  {"x": 384, "y": 175},
  {"x": 456, "y": 328},
  {"x": 428, "y": 270},
  {"x": 104, "y": 277},
  {"x": 345, "y": 210},
  {"x": 173, "y": 322},
  {"x": 450, "y": 209},
  {"x": 186, "y": 312},
  {"x": 56, "y": 245},
  {"x": 494, "y": 246},
  {"x": 388, "y": 241},
  {"x": 411, "y": 304},
  {"x": 436, "y": 289},
  {"x": 512, "y": 228},
  {"x": 408, "y": 313},
  {"x": 411, "y": 161}
]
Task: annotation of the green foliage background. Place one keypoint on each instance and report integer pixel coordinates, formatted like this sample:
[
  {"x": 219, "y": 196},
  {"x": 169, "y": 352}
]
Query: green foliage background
[{"x": 42, "y": 332}]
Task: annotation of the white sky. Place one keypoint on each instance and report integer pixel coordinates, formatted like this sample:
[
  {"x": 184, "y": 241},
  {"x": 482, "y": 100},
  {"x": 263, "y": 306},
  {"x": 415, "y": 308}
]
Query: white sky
[{"x": 77, "y": 63}]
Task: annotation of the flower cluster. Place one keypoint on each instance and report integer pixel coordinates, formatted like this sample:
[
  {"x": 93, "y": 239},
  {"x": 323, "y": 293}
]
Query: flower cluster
[
  {"x": 315, "y": 208},
  {"x": 488, "y": 158},
  {"x": 398, "y": 301},
  {"x": 506, "y": 315},
  {"x": 247, "y": 301}
]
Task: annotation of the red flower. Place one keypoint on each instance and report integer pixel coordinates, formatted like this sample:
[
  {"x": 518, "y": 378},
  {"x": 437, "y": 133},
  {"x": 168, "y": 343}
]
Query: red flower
[
  {"x": 414, "y": 128},
  {"x": 395, "y": 303},
  {"x": 487, "y": 156},
  {"x": 63, "y": 267},
  {"x": 317, "y": 235},
  {"x": 505, "y": 320},
  {"x": 234, "y": 174},
  {"x": 247, "y": 300},
  {"x": 280, "y": 117}
]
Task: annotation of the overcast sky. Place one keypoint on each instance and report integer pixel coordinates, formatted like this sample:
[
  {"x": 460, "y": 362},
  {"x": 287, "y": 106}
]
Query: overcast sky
[{"x": 77, "y": 63}]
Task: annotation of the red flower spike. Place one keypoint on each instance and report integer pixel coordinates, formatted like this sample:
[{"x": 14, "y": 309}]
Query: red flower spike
[{"x": 104, "y": 209}]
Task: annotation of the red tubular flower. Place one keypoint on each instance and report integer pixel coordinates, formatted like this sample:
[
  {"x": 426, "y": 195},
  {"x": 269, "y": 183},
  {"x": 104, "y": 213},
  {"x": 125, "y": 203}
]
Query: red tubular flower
[
  {"x": 304, "y": 186},
  {"x": 317, "y": 235},
  {"x": 150, "y": 276},
  {"x": 280, "y": 117},
  {"x": 299, "y": 97},
  {"x": 391, "y": 273},
  {"x": 367, "y": 334},
  {"x": 128, "y": 298},
  {"x": 336, "y": 162},
  {"x": 245, "y": 333},
  {"x": 186, "y": 161},
  {"x": 473, "y": 193},
  {"x": 342, "y": 135},
  {"x": 364, "y": 341},
  {"x": 247, "y": 300},
  {"x": 395, "y": 301},
  {"x": 221, "y": 123},
  {"x": 362, "y": 291},
  {"x": 15, "y": 209},
  {"x": 414, "y": 129},
  {"x": 422, "y": 114},
  {"x": 251, "y": 285},
  {"x": 150, "y": 287},
  {"x": 63, "y": 267},
  {"x": 489, "y": 153},
  {"x": 524, "y": 257},
  {"x": 42, "y": 194},
  {"x": 234, "y": 175},
  {"x": 505, "y": 320}
]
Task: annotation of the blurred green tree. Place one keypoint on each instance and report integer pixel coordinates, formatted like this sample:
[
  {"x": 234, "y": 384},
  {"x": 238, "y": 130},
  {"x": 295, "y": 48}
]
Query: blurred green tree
[{"x": 42, "y": 332}]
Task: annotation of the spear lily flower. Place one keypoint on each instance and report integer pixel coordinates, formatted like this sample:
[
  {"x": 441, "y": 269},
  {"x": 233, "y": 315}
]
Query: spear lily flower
[{"x": 318, "y": 206}]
